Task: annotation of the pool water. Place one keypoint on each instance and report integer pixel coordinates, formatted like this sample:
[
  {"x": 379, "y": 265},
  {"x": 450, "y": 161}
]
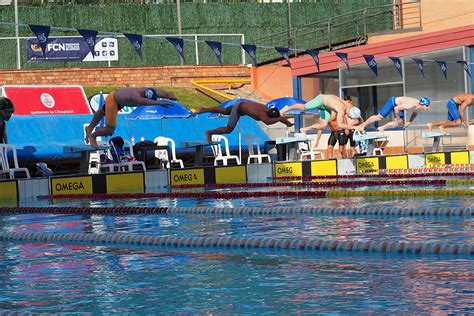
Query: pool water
[{"x": 72, "y": 278}]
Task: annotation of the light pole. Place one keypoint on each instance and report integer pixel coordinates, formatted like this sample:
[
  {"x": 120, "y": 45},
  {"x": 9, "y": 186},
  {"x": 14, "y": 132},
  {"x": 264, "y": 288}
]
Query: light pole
[
  {"x": 178, "y": 13},
  {"x": 17, "y": 35}
]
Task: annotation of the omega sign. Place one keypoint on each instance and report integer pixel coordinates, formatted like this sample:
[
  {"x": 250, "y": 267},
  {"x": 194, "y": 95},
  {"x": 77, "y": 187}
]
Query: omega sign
[
  {"x": 73, "y": 185},
  {"x": 191, "y": 176},
  {"x": 185, "y": 177}
]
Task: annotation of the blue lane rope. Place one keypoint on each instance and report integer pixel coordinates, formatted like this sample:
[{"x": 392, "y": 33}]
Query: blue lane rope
[
  {"x": 250, "y": 211},
  {"x": 194, "y": 243}
]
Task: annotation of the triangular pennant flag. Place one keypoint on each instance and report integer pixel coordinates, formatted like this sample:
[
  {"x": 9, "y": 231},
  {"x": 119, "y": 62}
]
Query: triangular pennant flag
[
  {"x": 284, "y": 53},
  {"x": 464, "y": 66},
  {"x": 313, "y": 53},
  {"x": 370, "y": 60},
  {"x": 136, "y": 41},
  {"x": 42, "y": 34},
  {"x": 178, "y": 43},
  {"x": 444, "y": 68},
  {"x": 252, "y": 51},
  {"x": 343, "y": 57},
  {"x": 397, "y": 63},
  {"x": 419, "y": 63},
  {"x": 217, "y": 49},
  {"x": 90, "y": 37}
]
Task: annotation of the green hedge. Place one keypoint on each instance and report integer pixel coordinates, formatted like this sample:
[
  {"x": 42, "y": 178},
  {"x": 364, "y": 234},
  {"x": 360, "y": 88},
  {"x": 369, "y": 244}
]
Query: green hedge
[{"x": 252, "y": 19}]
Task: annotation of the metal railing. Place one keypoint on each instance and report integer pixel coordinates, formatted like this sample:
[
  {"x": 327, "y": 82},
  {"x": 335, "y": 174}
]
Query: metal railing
[{"x": 353, "y": 27}]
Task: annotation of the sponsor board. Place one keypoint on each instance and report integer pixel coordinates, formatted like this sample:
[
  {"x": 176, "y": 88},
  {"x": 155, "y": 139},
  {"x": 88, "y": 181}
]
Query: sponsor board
[
  {"x": 289, "y": 169},
  {"x": 125, "y": 183},
  {"x": 364, "y": 165},
  {"x": 324, "y": 167},
  {"x": 234, "y": 174},
  {"x": 71, "y": 185},
  {"x": 187, "y": 176},
  {"x": 48, "y": 100},
  {"x": 396, "y": 162},
  {"x": 72, "y": 49},
  {"x": 8, "y": 191}
]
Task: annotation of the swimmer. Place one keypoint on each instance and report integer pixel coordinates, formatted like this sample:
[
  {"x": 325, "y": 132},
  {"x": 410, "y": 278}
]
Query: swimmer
[
  {"x": 456, "y": 112},
  {"x": 115, "y": 101},
  {"x": 327, "y": 104},
  {"x": 398, "y": 105},
  {"x": 257, "y": 111}
]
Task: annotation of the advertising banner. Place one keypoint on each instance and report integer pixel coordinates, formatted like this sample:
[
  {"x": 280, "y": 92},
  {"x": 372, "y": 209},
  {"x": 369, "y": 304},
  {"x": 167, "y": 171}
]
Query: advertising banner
[
  {"x": 69, "y": 49},
  {"x": 47, "y": 100}
]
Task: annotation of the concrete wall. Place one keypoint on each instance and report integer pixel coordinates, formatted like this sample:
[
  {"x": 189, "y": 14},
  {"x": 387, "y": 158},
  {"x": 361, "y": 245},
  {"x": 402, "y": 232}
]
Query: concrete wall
[
  {"x": 163, "y": 76},
  {"x": 436, "y": 15}
]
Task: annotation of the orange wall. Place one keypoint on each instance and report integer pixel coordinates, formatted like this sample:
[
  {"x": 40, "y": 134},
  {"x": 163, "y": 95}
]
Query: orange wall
[
  {"x": 272, "y": 81},
  {"x": 437, "y": 15},
  {"x": 163, "y": 76}
]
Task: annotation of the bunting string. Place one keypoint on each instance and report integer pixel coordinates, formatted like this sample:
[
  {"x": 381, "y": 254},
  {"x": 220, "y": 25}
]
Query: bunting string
[{"x": 42, "y": 33}]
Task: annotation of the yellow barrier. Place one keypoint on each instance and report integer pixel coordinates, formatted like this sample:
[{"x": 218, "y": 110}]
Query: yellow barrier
[{"x": 198, "y": 83}]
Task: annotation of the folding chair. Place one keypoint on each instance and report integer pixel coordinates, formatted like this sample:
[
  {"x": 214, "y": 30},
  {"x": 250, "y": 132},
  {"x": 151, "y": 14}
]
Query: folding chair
[
  {"x": 251, "y": 142},
  {"x": 304, "y": 150},
  {"x": 122, "y": 157},
  {"x": 6, "y": 165},
  {"x": 163, "y": 154},
  {"x": 219, "y": 154}
]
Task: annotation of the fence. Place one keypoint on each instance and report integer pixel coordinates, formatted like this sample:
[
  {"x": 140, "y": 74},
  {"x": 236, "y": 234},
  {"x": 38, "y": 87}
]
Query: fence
[
  {"x": 151, "y": 44},
  {"x": 350, "y": 28}
]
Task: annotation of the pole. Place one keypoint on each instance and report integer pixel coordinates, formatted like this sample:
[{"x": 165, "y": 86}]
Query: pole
[
  {"x": 290, "y": 41},
  {"x": 180, "y": 31},
  {"x": 17, "y": 35}
]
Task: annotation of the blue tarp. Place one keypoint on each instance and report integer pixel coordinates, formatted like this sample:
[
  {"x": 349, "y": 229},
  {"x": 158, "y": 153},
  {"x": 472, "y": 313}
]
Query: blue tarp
[{"x": 43, "y": 137}]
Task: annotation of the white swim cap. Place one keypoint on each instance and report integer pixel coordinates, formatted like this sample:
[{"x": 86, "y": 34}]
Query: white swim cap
[{"x": 354, "y": 112}]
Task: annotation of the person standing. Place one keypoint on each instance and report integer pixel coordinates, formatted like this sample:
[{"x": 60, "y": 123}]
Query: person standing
[{"x": 7, "y": 109}]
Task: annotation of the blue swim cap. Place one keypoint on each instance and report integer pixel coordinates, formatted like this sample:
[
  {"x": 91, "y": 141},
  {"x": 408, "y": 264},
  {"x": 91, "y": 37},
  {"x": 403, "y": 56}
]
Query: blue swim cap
[
  {"x": 425, "y": 101},
  {"x": 151, "y": 93}
]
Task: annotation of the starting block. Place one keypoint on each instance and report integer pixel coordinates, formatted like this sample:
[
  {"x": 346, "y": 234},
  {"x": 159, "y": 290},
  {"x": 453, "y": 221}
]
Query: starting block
[
  {"x": 370, "y": 138},
  {"x": 436, "y": 139}
]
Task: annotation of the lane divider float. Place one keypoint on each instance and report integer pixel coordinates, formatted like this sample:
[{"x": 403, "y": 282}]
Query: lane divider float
[
  {"x": 195, "y": 243},
  {"x": 254, "y": 194},
  {"x": 247, "y": 211}
]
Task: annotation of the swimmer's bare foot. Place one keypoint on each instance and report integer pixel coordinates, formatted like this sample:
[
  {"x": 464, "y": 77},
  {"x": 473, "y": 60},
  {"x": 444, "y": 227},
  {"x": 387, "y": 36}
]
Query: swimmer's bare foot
[
  {"x": 284, "y": 110},
  {"x": 87, "y": 132},
  {"x": 93, "y": 142},
  {"x": 442, "y": 129},
  {"x": 430, "y": 127},
  {"x": 381, "y": 130}
]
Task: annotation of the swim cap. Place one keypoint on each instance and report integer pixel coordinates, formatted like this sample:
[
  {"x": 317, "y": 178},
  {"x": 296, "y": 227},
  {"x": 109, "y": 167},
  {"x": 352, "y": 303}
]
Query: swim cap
[
  {"x": 354, "y": 112},
  {"x": 274, "y": 112},
  {"x": 347, "y": 98},
  {"x": 6, "y": 103},
  {"x": 151, "y": 93},
  {"x": 425, "y": 101}
]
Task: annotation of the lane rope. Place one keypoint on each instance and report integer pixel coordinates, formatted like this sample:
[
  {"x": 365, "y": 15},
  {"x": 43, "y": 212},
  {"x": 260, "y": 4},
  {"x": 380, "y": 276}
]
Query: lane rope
[
  {"x": 254, "y": 194},
  {"x": 194, "y": 243},
  {"x": 248, "y": 211},
  {"x": 314, "y": 184}
]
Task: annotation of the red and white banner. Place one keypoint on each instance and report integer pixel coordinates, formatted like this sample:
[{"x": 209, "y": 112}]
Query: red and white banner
[{"x": 47, "y": 100}]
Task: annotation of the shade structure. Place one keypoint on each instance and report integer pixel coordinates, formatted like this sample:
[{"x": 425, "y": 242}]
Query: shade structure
[
  {"x": 171, "y": 109},
  {"x": 226, "y": 104},
  {"x": 280, "y": 103}
]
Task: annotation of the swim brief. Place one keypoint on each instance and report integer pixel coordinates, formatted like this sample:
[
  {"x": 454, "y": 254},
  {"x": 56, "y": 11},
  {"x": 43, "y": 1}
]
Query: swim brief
[
  {"x": 317, "y": 103},
  {"x": 453, "y": 111}
]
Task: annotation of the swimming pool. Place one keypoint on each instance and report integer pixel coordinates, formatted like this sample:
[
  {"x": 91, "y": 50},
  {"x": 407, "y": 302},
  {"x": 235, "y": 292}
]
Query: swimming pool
[{"x": 131, "y": 278}]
